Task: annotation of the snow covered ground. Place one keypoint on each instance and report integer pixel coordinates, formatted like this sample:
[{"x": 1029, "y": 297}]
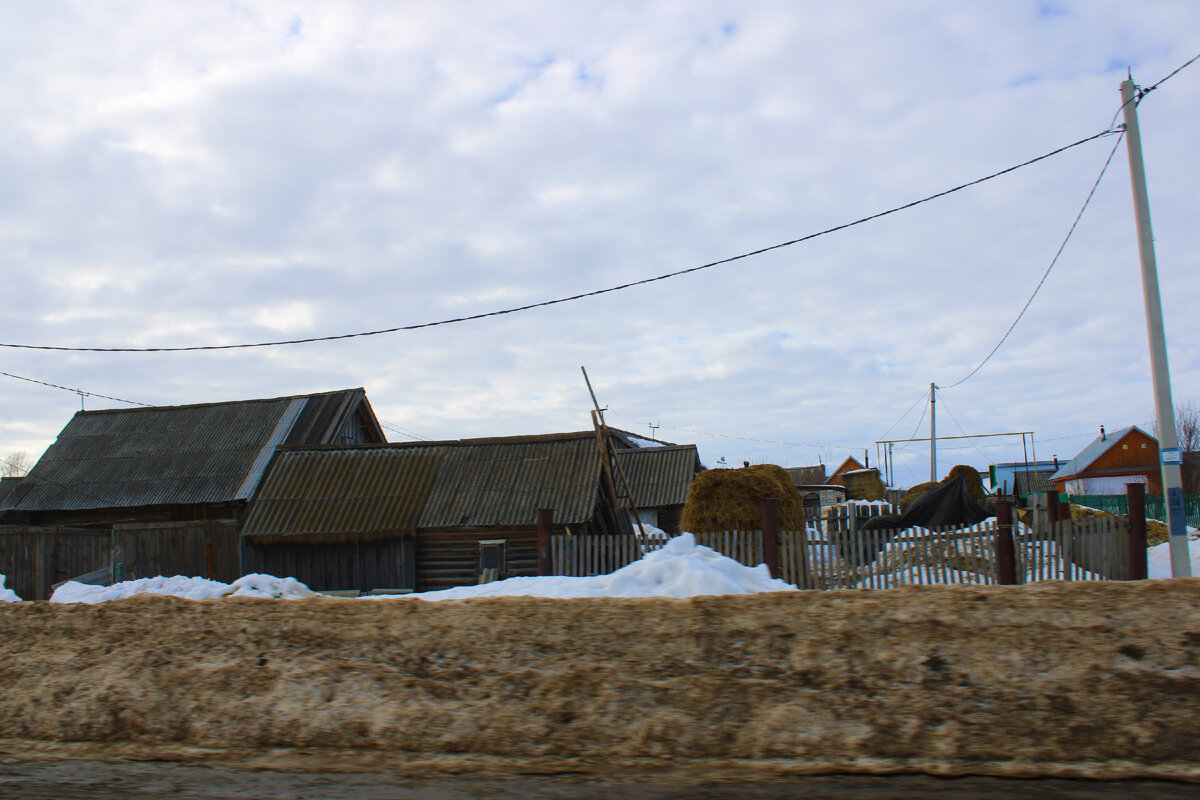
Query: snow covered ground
[{"x": 1158, "y": 558}]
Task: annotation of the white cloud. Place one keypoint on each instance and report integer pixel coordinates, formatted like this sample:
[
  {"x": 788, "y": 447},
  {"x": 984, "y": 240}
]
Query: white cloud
[{"x": 184, "y": 175}]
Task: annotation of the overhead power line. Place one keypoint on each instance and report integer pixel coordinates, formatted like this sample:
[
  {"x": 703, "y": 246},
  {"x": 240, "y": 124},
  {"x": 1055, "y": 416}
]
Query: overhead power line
[
  {"x": 1045, "y": 274},
  {"x": 73, "y": 390},
  {"x": 581, "y": 295}
]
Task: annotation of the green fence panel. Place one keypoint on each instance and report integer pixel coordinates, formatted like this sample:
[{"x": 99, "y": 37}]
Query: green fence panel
[{"x": 1155, "y": 507}]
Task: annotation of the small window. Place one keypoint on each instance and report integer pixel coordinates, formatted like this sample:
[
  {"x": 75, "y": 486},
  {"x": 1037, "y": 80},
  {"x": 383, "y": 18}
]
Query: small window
[
  {"x": 1143, "y": 445},
  {"x": 493, "y": 558},
  {"x": 1124, "y": 447}
]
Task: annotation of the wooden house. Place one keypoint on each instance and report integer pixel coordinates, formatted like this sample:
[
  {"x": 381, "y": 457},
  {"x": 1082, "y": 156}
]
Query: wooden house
[
  {"x": 1112, "y": 460},
  {"x": 423, "y": 516},
  {"x": 171, "y": 483},
  {"x": 851, "y": 464}
]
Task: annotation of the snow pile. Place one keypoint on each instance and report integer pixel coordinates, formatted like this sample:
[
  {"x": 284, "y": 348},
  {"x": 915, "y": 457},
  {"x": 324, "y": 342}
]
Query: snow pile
[
  {"x": 180, "y": 586},
  {"x": 7, "y": 595},
  {"x": 682, "y": 568},
  {"x": 1158, "y": 558},
  {"x": 268, "y": 586}
]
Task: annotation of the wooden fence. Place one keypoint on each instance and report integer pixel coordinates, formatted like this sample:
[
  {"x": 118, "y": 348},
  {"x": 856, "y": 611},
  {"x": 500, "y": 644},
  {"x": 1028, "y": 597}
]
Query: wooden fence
[
  {"x": 836, "y": 553},
  {"x": 35, "y": 557}
]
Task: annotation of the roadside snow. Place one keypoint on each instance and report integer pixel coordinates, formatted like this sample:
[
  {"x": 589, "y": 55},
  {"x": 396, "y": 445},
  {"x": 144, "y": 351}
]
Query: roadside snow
[
  {"x": 682, "y": 568},
  {"x": 7, "y": 595},
  {"x": 1158, "y": 558},
  {"x": 180, "y": 586}
]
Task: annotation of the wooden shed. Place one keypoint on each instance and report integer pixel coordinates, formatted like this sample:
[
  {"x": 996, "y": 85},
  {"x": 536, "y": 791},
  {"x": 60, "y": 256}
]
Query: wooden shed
[
  {"x": 1112, "y": 460},
  {"x": 423, "y": 516},
  {"x": 171, "y": 483}
]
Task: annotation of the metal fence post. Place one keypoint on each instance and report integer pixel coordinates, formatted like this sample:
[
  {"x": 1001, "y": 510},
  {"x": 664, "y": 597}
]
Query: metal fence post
[
  {"x": 770, "y": 529},
  {"x": 545, "y": 520},
  {"x": 1136, "y": 496},
  {"x": 1006, "y": 554}
]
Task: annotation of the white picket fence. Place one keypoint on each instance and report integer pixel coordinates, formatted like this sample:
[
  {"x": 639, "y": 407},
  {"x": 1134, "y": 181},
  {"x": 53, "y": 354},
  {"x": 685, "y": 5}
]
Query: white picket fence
[{"x": 835, "y": 553}]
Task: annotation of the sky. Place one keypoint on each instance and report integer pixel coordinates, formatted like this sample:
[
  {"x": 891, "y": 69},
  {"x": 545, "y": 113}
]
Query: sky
[{"x": 181, "y": 174}]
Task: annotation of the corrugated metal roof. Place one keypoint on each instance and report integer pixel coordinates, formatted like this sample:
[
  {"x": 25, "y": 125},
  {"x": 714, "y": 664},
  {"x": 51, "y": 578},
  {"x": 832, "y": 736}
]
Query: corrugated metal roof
[
  {"x": 353, "y": 492},
  {"x": 807, "y": 476},
  {"x": 1093, "y": 451},
  {"x": 1032, "y": 481},
  {"x": 364, "y": 491},
  {"x": 164, "y": 455},
  {"x": 659, "y": 476},
  {"x": 505, "y": 481}
]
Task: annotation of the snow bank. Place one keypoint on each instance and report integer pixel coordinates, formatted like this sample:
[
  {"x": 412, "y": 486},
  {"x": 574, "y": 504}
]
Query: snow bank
[
  {"x": 180, "y": 586},
  {"x": 682, "y": 568},
  {"x": 1158, "y": 558},
  {"x": 7, "y": 595}
]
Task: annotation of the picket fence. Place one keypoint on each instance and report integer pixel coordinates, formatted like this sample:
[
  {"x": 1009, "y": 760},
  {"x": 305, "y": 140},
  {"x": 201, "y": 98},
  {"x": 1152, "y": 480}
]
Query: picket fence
[{"x": 836, "y": 553}]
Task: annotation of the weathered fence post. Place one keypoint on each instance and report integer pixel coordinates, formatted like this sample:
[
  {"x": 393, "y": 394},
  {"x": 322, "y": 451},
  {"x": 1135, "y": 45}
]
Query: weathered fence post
[
  {"x": 1136, "y": 495},
  {"x": 545, "y": 519},
  {"x": 1006, "y": 552},
  {"x": 1052, "y": 509},
  {"x": 770, "y": 529}
]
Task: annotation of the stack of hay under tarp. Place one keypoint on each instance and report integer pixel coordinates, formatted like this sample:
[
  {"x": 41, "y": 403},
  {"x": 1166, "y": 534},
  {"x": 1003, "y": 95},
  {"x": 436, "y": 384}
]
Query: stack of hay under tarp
[
  {"x": 970, "y": 476},
  {"x": 731, "y": 500}
]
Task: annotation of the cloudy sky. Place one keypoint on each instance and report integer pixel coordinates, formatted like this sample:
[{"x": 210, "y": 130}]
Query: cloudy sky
[{"x": 180, "y": 174}]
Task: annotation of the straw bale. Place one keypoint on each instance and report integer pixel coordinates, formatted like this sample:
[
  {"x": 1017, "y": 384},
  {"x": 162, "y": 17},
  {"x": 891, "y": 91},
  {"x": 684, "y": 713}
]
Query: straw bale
[
  {"x": 864, "y": 484},
  {"x": 730, "y": 499}
]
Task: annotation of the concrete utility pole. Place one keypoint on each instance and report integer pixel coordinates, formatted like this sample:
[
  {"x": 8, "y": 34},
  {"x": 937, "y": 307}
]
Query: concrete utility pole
[
  {"x": 1170, "y": 454},
  {"x": 932, "y": 434}
]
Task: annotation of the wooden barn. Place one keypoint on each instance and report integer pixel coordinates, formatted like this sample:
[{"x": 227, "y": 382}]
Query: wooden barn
[
  {"x": 170, "y": 483},
  {"x": 1112, "y": 460},
  {"x": 423, "y": 516},
  {"x": 659, "y": 478}
]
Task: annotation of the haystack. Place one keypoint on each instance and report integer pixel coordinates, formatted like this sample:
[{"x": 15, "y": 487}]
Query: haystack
[
  {"x": 730, "y": 499},
  {"x": 974, "y": 485}
]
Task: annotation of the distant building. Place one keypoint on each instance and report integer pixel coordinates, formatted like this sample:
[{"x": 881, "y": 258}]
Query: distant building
[
  {"x": 1022, "y": 478},
  {"x": 1129, "y": 455}
]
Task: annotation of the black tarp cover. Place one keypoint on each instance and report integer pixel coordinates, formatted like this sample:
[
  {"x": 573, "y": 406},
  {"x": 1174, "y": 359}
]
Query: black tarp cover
[{"x": 948, "y": 504}]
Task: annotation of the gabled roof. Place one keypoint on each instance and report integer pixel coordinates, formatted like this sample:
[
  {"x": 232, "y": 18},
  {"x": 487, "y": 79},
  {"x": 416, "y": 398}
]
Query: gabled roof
[
  {"x": 182, "y": 455},
  {"x": 367, "y": 492},
  {"x": 1026, "y": 482},
  {"x": 1088, "y": 455},
  {"x": 659, "y": 476}
]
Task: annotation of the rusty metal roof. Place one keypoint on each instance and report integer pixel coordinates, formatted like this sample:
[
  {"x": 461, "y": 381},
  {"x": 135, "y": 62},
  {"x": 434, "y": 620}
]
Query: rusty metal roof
[
  {"x": 658, "y": 476},
  {"x": 168, "y": 455}
]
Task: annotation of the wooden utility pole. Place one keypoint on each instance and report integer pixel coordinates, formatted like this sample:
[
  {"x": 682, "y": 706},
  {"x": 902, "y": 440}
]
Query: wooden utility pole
[
  {"x": 1170, "y": 454},
  {"x": 932, "y": 433}
]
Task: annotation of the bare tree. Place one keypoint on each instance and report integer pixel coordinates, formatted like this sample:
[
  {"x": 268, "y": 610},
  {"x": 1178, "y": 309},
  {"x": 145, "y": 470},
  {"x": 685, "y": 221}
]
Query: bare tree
[
  {"x": 1187, "y": 427},
  {"x": 15, "y": 464}
]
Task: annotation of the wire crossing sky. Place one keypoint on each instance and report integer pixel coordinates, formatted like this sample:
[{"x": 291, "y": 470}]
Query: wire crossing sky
[{"x": 238, "y": 179}]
